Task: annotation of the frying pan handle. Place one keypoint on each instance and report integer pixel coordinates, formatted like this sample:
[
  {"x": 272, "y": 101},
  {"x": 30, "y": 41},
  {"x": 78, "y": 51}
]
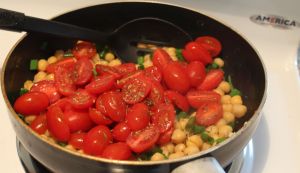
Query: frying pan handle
[
  {"x": 11, "y": 20},
  {"x": 202, "y": 165}
]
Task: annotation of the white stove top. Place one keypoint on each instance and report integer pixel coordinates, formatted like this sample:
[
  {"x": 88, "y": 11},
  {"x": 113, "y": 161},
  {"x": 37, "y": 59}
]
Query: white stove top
[{"x": 277, "y": 140}]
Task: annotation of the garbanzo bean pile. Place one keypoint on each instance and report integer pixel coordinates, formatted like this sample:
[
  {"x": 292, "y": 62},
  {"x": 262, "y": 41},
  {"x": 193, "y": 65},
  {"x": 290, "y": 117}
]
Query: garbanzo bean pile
[{"x": 169, "y": 104}]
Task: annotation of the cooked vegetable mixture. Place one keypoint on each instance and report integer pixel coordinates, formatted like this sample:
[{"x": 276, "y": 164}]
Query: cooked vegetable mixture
[{"x": 172, "y": 103}]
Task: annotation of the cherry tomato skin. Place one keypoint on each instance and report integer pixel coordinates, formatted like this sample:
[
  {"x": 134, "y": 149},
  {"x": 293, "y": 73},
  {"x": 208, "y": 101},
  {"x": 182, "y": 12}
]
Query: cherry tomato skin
[
  {"x": 136, "y": 90},
  {"x": 77, "y": 120},
  {"x": 64, "y": 81},
  {"x": 39, "y": 124},
  {"x": 56, "y": 124},
  {"x": 83, "y": 71},
  {"x": 211, "y": 44},
  {"x": 195, "y": 52},
  {"x": 121, "y": 131},
  {"x": 212, "y": 80},
  {"x": 61, "y": 103},
  {"x": 161, "y": 58},
  {"x": 179, "y": 100},
  {"x": 196, "y": 73},
  {"x": 165, "y": 137},
  {"x": 209, "y": 114},
  {"x": 126, "y": 78},
  {"x": 143, "y": 140},
  {"x": 138, "y": 116},
  {"x": 96, "y": 140},
  {"x": 156, "y": 95},
  {"x": 84, "y": 50},
  {"x": 99, "y": 118},
  {"x": 104, "y": 69},
  {"x": 176, "y": 77},
  {"x": 117, "y": 151},
  {"x": 31, "y": 103},
  {"x": 101, "y": 84},
  {"x": 76, "y": 140},
  {"x": 163, "y": 117},
  {"x": 81, "y": 99},
  {"x": 68, "y": 63},
  {"x": 112, "y": 105},
  {"x": 126, "y": 68},
  {"x": 48, "y": 87},
  {"x": 198, "y": 98},
  {"x": 153, "y": 73}
]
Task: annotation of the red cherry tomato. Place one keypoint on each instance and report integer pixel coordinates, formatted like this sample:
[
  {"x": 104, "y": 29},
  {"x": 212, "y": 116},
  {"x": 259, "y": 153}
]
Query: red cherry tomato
[
  {"x": 165, "y": 137},
  {"x": 198, "y": 98},
  {"x": 76, "y": 140},
  {"x": 212, "y": 80},
  {"x": 83, "y": 71},
  {"x": 84, "y": 50},
  {"x": 196, "y": 72},
  {"x": 163, "y": 117},
  {"x": 98, "y": 117},
  {"x": 156, "y": 95},
  {"x": 68, "y": 63},
  {"x": 61, "y": 103},
  {"x": 39, "y": 124},
  {"x": 117, "y": 151},
  {"x": 101, "y": 84},
  {"x": 211, "y": 44},
  {"x": 81, "y": 99},
  {"x": 96, "y": 140},
  {"x": 195, "y": 52},
  {"x": 126, "y": 78},
  {"x": 77, "y": 120},
  {"x": 64, "y": 81},
  {"x": 135, "y": 90},
  {"x": 161, "y": 58},
  {"x": 179, "y": 100},
  {"x": 142, "y": 140},
  {"x": 121, "y": 131},
  {"x": 126, "y": 68},
  {"x": 104, "y": 69},
  {"x": 138, "y": 117},
  {"x": 56, "y": 124},
  {"x": 176, "y": 77},
  {"x": 48, "y": 87},
  {"x": 31, "y": 103},
  {"x": 209, "y": 114},
  {"x": 112, "y": 105},
  {"x": 153, "y": 73}
]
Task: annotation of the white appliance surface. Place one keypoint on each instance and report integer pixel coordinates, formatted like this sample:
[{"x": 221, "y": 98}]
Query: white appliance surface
[{"x": 277, "y": 139}]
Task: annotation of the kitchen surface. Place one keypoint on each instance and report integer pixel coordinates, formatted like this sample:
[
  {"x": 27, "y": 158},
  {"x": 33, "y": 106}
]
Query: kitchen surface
[{"x": 271, "y": 26}]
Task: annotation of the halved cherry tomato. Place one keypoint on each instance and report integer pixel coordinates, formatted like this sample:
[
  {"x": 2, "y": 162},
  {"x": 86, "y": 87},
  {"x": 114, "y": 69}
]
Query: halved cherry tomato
[
  {"x": 117, "y": 151},
  {"x": 39, "y": 124},
  {"x": 179, "y": 100},
  {"x": 209, "y": 114},
  {"x": 176, "y": 77},
  {"x": 78, "y": 120},
  {"x": 126, "y": 78},
  {"x": 212, "y": 80},
  {"x": 163, "y": 117},
  {"x": 153, "y": 73},
  {"x": 161, "y": 58},
  {"x": 48, "y": 87},
  {"x": 101, "y": 84},
  {"x": 96, "y": 140},
  {"x": 126, "y": 68},
  {"x": 104, "y": 69},
  {"x": 198, "y": 98},
  {"x": 121, "y": 131},
  {"x": 135, "y": 90},
  {"x": 31, "y": 103},
  {"x": 195, "y": 52},
  {"x": 83, "y": 71},
  {"x": 211, "y": 44},
  {"x": 61, "y": 103},
  {"x": 98, "y": 117},
  {"x": 84, "y": 50},
  {"x": 82, "y": 99},
  {"x": 196, "y": 72},
  {"x": 138, "y": 116},
  {"x": 68, "y": 63},
  {"x": 142, "y": 140},
  {"x": 165, "y": 137},
  {"x": 156, "y": 95},
  {"x": 76, "y": 140},
  {"x": 112, "y": 105},
  {"x": 64, "y": 81},
  {"x": 56, "y": 124}
]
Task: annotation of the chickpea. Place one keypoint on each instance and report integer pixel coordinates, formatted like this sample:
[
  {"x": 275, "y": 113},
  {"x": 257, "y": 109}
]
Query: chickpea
[
  {"x": 141, "y": 46},
  {"x": 152, "y": 46},
  {"x": 237, "y": 99},
  {"x": 228, "y": 117},
  {"x": 157, "y": 157},
  {"x": 191, "y": 150},
  {"x": 222, "y": 121},
  {"x": 114, "y": 62},
  {"x": 47, "y": 133},
  {"x": 179, "y": 147},
  {"x": 219, "y": 91},
  {"x": 239, "y": 110},
  {"x": 206, "y": 146},
  {"x": 219, "y": 62},
  {"x": 176, "y": 155},
  {"x": 171, "y": 51},
  {"x": 52, "y": 59},
  {"x": 70, "y": 147},
  {"x": 59, "y": 54},
  {"x": 40, "y": 76},
  {"x": 212, "y": 129},
  {"x": 189, "y": 143},
  {"x": 224, "y": 86},
  {"x": 174, "y": 58},
  {"x": 178, "y": 136},
  {"x": 50, "y": 76},
  {"x": 42, "y": 64},
  {"x": 96, "y": 58},
  {"x": 109, "y": 57},
  {"x": 225, "y": 99},
  {"x": 215, "y": 136},
  {"x": 183, "y": 122},
  {"x": 80, "y": 151},
  {"x": 147, "y": 57},
  {"x": 224, "y": 131},
  {"x": 165, "y": 150},
  {"x": 196, "y": 139},
  {"x": 28, "y": 84},
  {"x": 102, "y": 62},
  {"x": 148, "y": 64},
  {"x": 227, "y": 107},
  {"x": 170, "y": 147},
  {"x": 30, "y": 118}
]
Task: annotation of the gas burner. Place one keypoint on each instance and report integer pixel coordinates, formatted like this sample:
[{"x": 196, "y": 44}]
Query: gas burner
[{"x": 242, "y": 164}]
